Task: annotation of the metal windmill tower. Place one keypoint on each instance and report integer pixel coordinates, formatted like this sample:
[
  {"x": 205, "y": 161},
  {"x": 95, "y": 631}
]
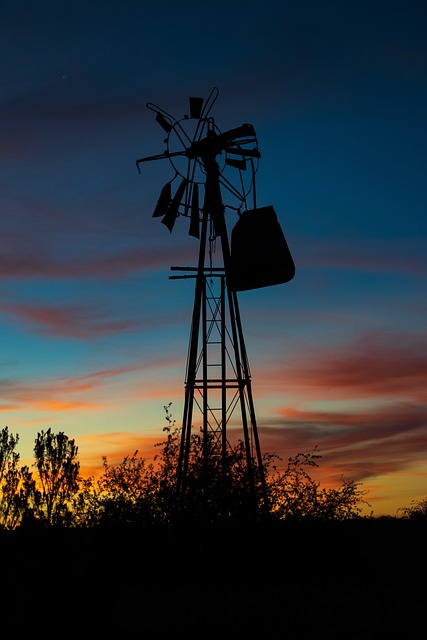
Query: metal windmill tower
[{"x": 218, "y": 380}]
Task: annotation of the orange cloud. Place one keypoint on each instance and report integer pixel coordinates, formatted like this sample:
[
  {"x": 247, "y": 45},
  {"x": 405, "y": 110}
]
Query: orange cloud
[
  {"x": 49, "y": 394},
  {"x": 97, "y": 390}
]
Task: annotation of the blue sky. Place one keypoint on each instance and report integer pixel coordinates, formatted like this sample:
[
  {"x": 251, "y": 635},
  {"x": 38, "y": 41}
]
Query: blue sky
[{"x": 94, "y": 333}]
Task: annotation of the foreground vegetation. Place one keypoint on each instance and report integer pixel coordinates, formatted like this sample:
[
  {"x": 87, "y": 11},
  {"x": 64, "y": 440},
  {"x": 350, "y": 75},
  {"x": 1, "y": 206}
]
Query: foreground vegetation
[
  {"x": 137, "y": 494},
  {"x": 115, "y": 556}
]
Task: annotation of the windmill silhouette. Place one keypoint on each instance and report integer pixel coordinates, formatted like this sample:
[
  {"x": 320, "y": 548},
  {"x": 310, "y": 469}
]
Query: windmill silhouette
[{"x": 218, "y": 380}]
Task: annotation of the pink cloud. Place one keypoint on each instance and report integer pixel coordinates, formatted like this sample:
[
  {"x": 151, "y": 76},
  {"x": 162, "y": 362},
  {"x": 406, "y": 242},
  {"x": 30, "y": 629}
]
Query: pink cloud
[
  {"x": 42, "y": 264},
  {"x": 377, "y": 365},
  {"x": 83, "y": 321},
  {"x": 71, "y": 321},
  {"x": 379, "y": 429}
]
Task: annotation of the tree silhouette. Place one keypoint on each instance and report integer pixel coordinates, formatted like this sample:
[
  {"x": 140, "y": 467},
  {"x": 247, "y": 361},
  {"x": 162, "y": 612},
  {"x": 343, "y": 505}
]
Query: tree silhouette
[
  {"x": 58, "y": 475},
  {"x": 9, "y": 480}
]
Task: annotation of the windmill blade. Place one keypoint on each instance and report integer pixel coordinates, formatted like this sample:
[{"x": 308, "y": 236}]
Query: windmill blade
[
  {"x": 238, "y": 164},
  {"x": 165, "y": 124},
  {"x": 162, "y": 116},
  {"x": 172, "y": 213},
  {"x": 209, "y": 103},
  {"x": 164, "y": 201},
  {"x": 196, "y": 106},
  {"x": 194, "y": 216},
  {"x": 238, "y": 132},
  {"x": 250, "y": 153},
  {"x": 159, "y": 156}
]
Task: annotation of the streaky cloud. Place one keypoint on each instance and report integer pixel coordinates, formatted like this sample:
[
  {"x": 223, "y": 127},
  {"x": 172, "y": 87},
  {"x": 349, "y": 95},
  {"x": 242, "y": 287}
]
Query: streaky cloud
[
  {"x": 405, "y": 256},
  {"x": 375, "y": 365},
  {"x": 107, "y": 267},
  {"x": 59, "y": 393},
  {"x": 358, "y": 443},
  {"x": 84, "y": 322}
]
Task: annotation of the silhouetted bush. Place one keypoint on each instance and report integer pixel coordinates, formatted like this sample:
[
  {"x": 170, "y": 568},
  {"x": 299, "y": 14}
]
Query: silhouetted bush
[{"x": 416, "y": 511}]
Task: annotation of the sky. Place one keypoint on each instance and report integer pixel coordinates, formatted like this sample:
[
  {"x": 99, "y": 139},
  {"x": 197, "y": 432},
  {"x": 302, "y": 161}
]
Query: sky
[{"x": 94, "y": 333}]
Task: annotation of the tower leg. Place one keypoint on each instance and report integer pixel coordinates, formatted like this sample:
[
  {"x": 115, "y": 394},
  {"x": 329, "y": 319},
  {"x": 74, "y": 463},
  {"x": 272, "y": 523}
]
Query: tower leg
[
  {"x": 218, "y": 376},
  {"x": 184, "y": 452}
]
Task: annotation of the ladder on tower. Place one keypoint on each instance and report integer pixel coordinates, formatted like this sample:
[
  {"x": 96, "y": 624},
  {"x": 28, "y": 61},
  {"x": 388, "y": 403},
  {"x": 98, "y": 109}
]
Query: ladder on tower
[{"x": 218, "y": 380}]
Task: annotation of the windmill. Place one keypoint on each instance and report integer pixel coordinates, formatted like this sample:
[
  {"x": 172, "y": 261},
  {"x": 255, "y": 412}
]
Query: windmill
[{"x": 205, "y": 162}]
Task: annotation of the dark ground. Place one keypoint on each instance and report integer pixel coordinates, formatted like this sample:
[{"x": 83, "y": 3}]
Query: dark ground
[{"x": 346, "y": 580}]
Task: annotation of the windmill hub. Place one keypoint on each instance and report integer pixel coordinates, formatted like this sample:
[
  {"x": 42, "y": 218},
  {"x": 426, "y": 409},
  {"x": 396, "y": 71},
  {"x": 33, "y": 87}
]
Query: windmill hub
[{"x": 209, "y": 147}]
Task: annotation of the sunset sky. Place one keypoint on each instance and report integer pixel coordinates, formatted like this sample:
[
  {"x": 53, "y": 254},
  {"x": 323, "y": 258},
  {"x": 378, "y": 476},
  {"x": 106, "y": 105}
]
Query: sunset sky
[{"x": 94, "y": 334}]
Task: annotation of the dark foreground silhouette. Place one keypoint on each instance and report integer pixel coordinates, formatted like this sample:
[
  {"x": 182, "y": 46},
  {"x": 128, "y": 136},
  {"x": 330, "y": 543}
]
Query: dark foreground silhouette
[{"x": 356, "y": 579}]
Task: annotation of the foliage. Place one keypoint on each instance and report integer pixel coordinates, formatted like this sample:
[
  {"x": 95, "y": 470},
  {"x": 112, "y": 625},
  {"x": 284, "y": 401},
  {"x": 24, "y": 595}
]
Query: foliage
[
  {"x": 219, "y": 491},
  {"x": 9, "y": 480},
  {"x": 17, "y": 486},
  {"x": 125, "y": 495},
  {"x": 135, "y": 493},
  {"x": 416, "y": 511},
  {"x": 295, "y": 495},
  {"x": 58, "y": 475}
]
